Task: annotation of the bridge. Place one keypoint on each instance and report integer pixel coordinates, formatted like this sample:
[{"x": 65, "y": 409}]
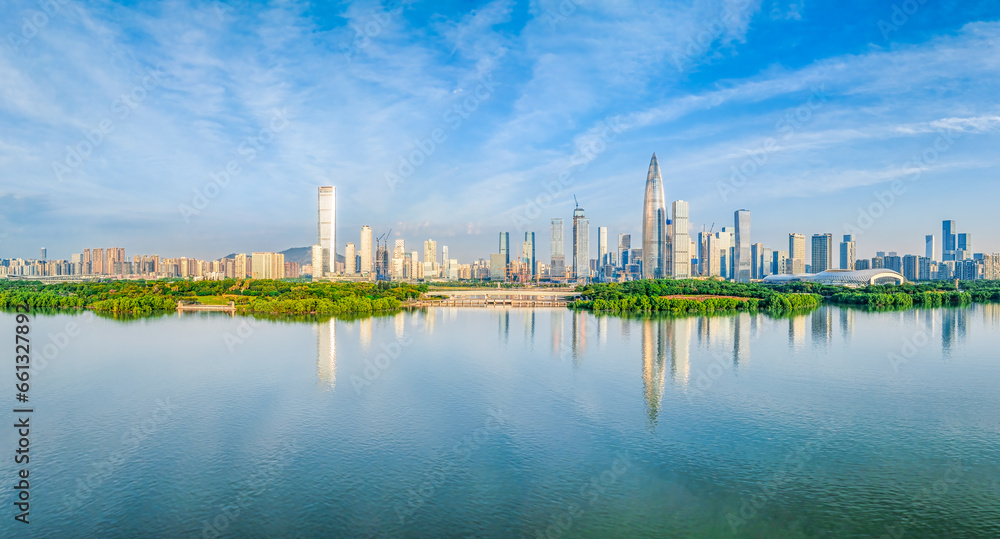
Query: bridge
[{"x": 494, "y": 297}]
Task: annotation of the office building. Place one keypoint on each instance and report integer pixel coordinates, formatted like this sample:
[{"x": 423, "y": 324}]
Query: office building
[
  {"x": 779, "y": 263},
  {"x": 930, "y": 247},
  {"x": 949, "y": 241},
  {"x": 848, "y": 252},
  {"x": 822, "y": 252},
  {"x": 350, "y": 259},
  {"x": 557, "y": 268},
  {"x": 911, "y": 267},
  {"x": 796, "y": 253},
  {"x": 963, "y": 247},
  {"x": 654, "y": 225},
  {"x": 505, "y": 246},
  {"x": 328, "y": 229},
  {"x": 581, "y": 246},
  {"x": 680, "y": 241},
  {"x": 741, "y": 252},
  {"x": 602, "y": 247},
  {"x": 365, "y": 264},
  {"x": 529, "y": 252}
]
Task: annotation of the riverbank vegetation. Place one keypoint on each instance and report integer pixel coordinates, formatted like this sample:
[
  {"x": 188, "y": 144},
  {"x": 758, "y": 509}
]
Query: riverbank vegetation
[
  {"x": 249, "y": 295},
  {"x": 689, "y": 297}
]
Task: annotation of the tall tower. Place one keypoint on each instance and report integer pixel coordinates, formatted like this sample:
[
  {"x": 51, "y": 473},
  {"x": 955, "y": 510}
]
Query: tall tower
[
  {"x": 328, "y": 228},
  {"x": 681, "y": 242},
  {"x": 822, "y": 252},
  {"x": 654, "y": 225},
  {"x": 602, "y": 246},
  {"x": 848, "y": 252},
  {"x": 930, "y": 247},
  {"x": 529, "y": 253},
  {"x": 505, "y": 246},
  {"x": 741, "y": 253},
  {"x": 796, "y": 253},
  {"x": 558, "y": 262},
  {"x": 948, "y": 241},
  {"x": 365, "y": 267},
  {"x": 581, "y": 246}
]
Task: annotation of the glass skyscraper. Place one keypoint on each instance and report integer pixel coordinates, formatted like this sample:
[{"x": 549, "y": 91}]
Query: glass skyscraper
[
  {"x": 741, "y": 252},
  {"x": 581, "y": 246},
  {"x": 948, "y": 240},
  {"x": 558, "y": 262},
  {"x": 327, "y": 229},
  {"x": 654, "y": 224}
]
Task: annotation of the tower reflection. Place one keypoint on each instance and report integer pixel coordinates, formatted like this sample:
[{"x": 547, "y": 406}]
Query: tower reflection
[
  {"x": 797, "y": 332},
  {"x": 653, "y": 372},
  {"x": 326, "y": 352},
  {"x": 680, "y": 350},
  {"x": 365, "y": 333}
]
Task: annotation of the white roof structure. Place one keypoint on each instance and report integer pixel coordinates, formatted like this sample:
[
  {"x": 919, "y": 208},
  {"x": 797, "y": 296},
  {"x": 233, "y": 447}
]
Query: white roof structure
[{"x": 843, "y": 277}]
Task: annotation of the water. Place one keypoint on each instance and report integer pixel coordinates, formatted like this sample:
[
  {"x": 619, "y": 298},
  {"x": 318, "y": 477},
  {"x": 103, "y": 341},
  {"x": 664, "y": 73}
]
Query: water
[{"x": 537, "y": 423}]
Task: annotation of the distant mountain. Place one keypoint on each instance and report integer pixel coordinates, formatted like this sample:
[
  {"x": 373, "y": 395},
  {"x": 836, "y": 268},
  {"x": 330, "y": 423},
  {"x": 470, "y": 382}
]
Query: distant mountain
[{"x": 302, "y": 255}]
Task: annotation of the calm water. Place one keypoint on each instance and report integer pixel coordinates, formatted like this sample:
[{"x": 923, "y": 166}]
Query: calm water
[{"x": 483, "y": 422}]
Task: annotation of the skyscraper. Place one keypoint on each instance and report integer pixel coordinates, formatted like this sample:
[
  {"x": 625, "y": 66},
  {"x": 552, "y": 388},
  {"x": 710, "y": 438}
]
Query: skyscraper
[
  {"x": 796, "y": 253},
  {"x": 529, "y": 253},
  {"x": 822, "y": 252},
  {"x": 505, "y": 246},
  {"x": 602, "y": 246},
  {"x": 328, "y": 228},
  {"x": 741, "y": 262},
  {"x": 581, "y": 245},
  {"x": 430, "y": 259},
  {"x": 624, "y": 245},
  {"x": 680, "y": 242},
  {"x": 350, "y": 259},
  {"x": 558, "y": 267},
  {"x": 365, "y": 267},
  {"x": 929, "y": 247},
  {"x": 848, "y": 252},
  {"x": 963, "y": 248},
  {"x": 654, "y": 225},
  {"x": 948, "y": 240}
]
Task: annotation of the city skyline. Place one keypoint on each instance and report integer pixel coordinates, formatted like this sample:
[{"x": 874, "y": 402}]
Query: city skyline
[{"x": 732, "y": 128}]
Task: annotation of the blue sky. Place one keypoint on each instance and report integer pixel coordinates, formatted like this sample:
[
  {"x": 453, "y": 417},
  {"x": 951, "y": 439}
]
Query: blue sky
[{"x": 455, "y": 120}]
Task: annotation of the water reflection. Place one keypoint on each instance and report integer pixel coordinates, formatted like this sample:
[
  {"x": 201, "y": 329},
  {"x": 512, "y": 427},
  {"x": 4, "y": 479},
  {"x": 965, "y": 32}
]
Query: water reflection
[
  {"x": 653, "y": 372},
  {"x": 797, "y": 332},
  {"x": 822, "y": 327},
  {"x": 326, "y": 352}
]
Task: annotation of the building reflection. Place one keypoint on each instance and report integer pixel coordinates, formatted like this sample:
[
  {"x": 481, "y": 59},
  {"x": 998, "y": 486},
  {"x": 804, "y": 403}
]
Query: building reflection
[
  {"x": 557, "y": 324},
  {"x": 822, "y": 327},
  {"x": 400, "y": 324},
  {"x": 578, "y": 329},
  {"x": 430, "y": 317},
  {"x": 365, "y": 333},
  {"x": 742, "y": 330},
  {"x": 653, "y": 371},
  {"x": 504, "y": 319},
  {"x": 846, "y": 324},
  {"x": 529, "y": 327},
  {"x": 680, "y": 350},
  {"x": 326, "y": 352},
  {"x": 953, "y": 328},
  {"x": 797, "y": 332},
  {"x": 602, "y": 331}
]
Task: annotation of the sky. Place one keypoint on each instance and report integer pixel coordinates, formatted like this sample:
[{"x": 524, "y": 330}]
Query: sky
[{"x": 202, "y": 129}]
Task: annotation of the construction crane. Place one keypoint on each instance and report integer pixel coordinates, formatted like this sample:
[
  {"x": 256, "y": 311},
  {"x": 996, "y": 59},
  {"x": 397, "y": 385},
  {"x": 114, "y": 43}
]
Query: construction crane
[{"x": 575, "y": 202}]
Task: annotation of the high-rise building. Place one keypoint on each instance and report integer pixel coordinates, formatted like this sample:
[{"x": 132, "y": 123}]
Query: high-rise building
[
  {"x": 757, "y": 261},
  {"x": 430, "y": 252},
  {"x": 505, "y": 246},
  {"x": 949, "y": 241},
  {"x": 327, "y": 205},
  {"x": 654, "y": 225},
  {"x": 741, "y": 262},
  {"x": 779, "y": 262},
  {"x": 558, "y": 266},
  {"x": 43, "y": 253},
  {"x": 365, "y": 266},
  {"x": 267, "y": 265},
  {"x": 240, "y": 266},
  {"x": 726, "y": 239},
  {"x": 602, "y": 247},
  {"x": 848, "y": 252},
  {"x": 930, "y": 247},
  {"x": 911, "y": 266},
  {"x": 581, "y": 246},
  {"x": 350, "y": 259},
  {"x": 796, "y": 253},
  {"x": 822, "y": 252},
  {"x": 924, "y": 268},
  {"x": 624, "y": 245},
  {"x": 963, "y": 248},
  {"x": 529, "y": 253},
  {"x": 680, "y": 241},
  {"x": 98, "y": 262}
]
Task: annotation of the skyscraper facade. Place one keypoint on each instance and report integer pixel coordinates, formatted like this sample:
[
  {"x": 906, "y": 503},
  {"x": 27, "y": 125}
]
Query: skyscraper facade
[
  {"x": 365, "y": 266},
  {"x": 328, "y": 228},
  {"x": 963, "y": 247},
  {"x": 848, "y": 252},
  {"x": 505, "y": 246},
  {"x": 949, "y": 240},
  {"x": 602, "y": 246},
  {"x": 822, "y": 252},
  {"x": 558, "y": 266},
  {"x": 796, "y": 253},
  {"x": 681, "y": 241},
  {"x": 581, "y": 246},
  {"x": 930, "y": 249},
  {"x": 741, "y": 262},
  {"x": 654, "y": 225},
  {"x": 529, "y": 252},
  {"x": 350, "y": 259}
]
